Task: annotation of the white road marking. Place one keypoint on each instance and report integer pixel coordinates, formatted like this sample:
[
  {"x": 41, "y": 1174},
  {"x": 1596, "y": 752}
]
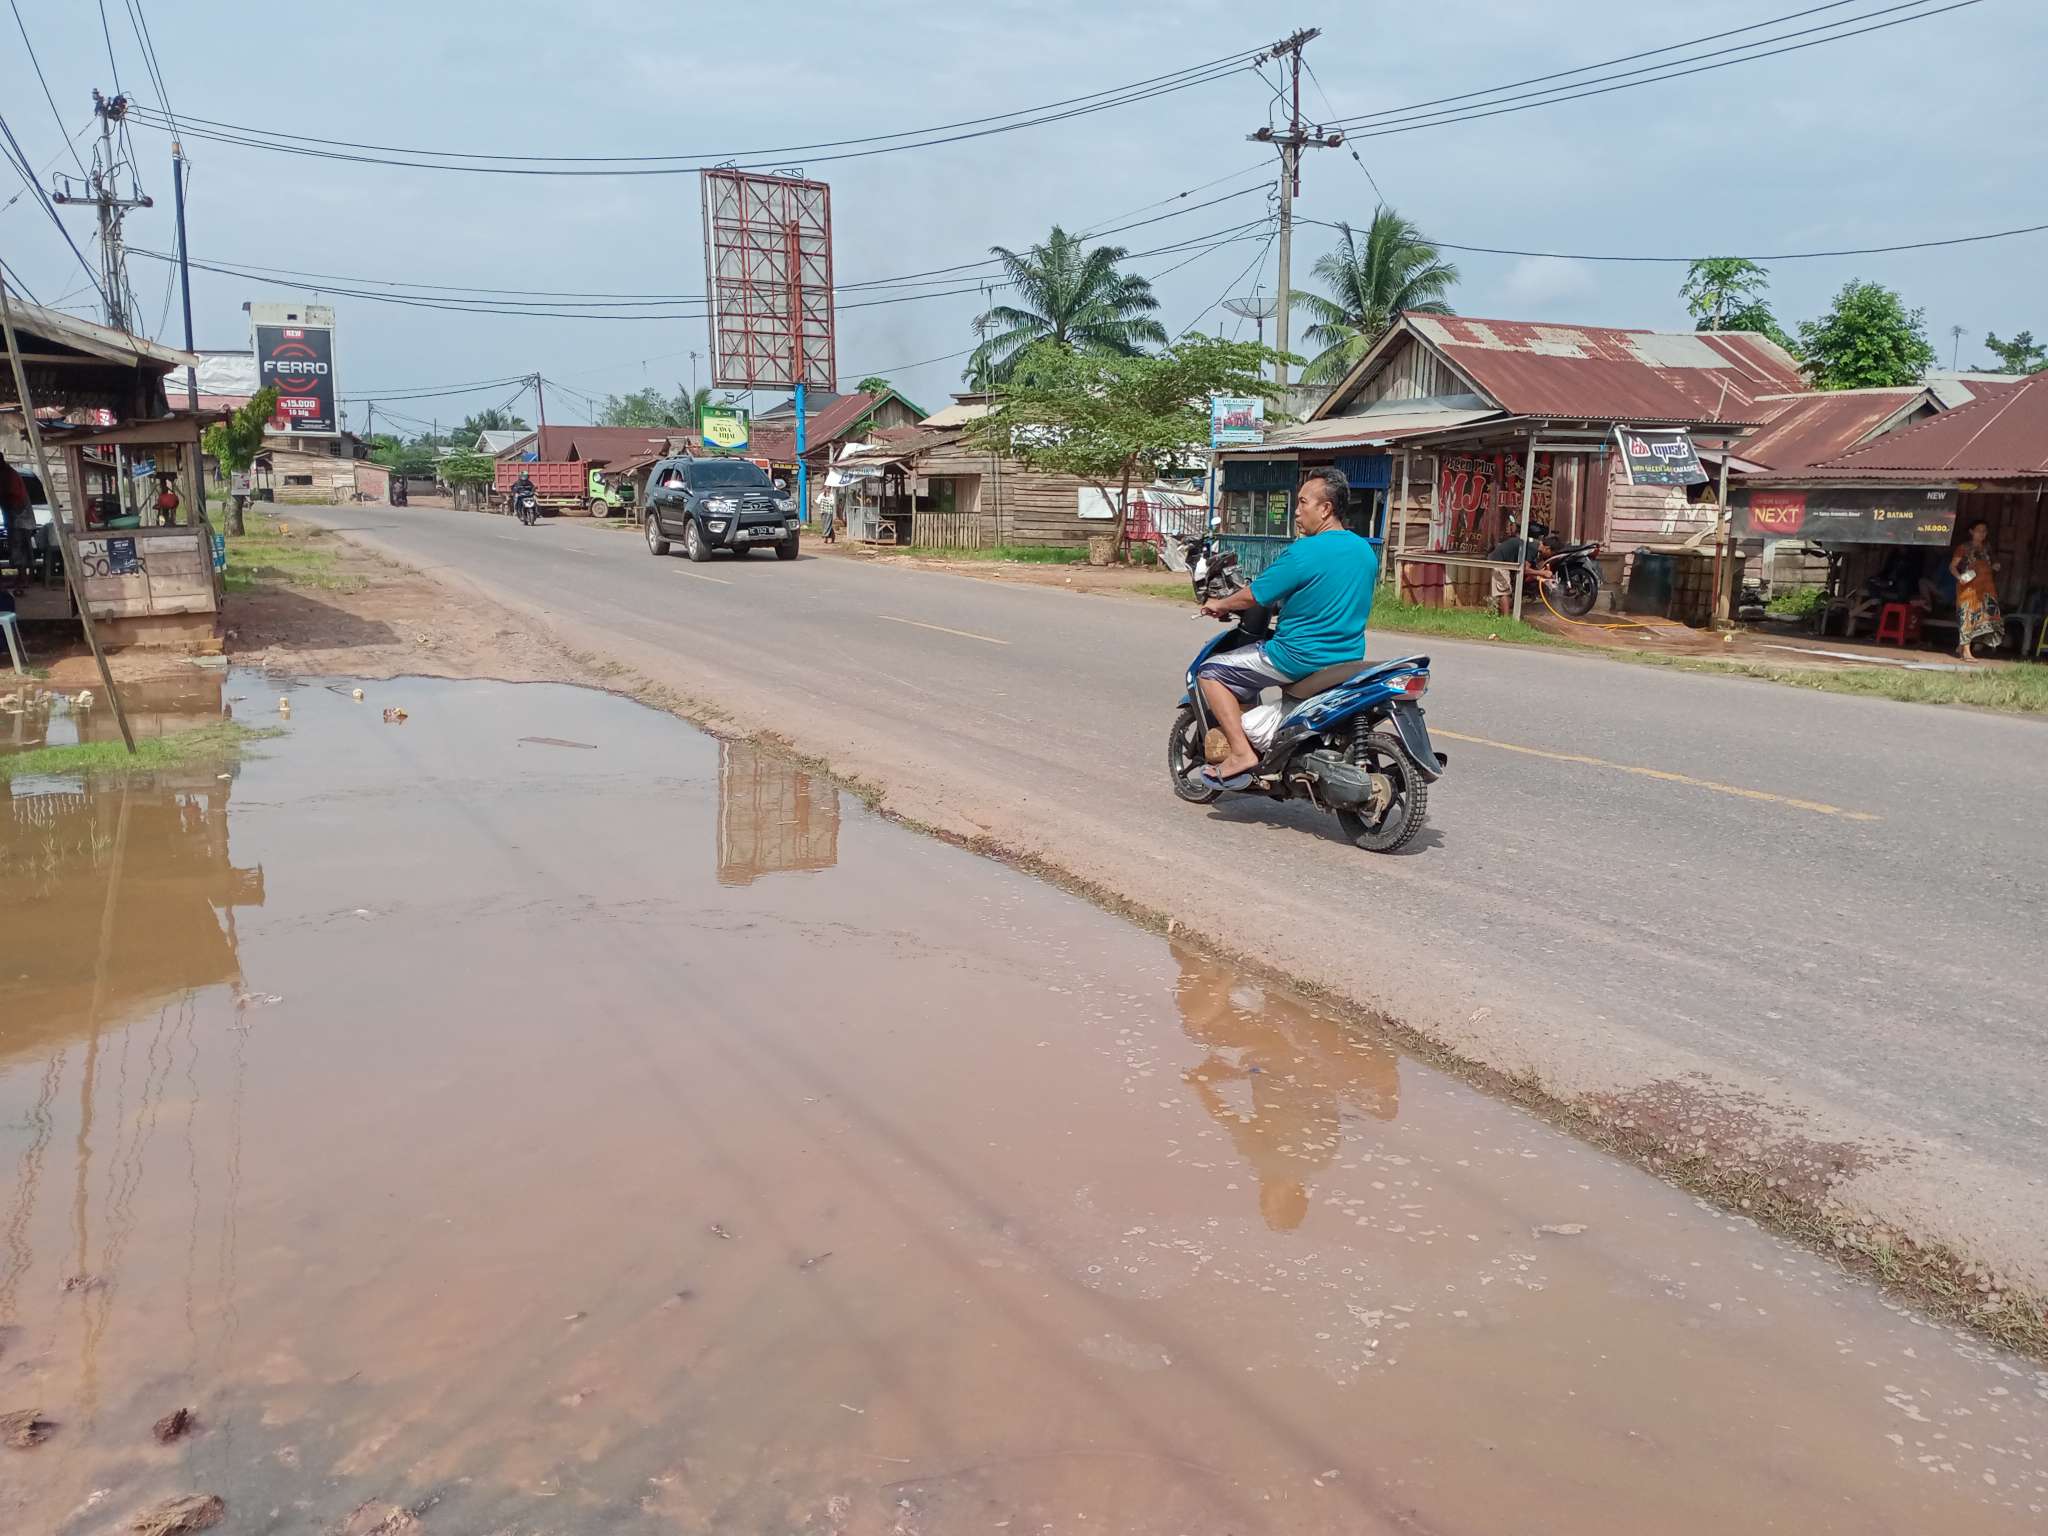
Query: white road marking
[
  {"x": 962, "y": 633},
  {"x": 700, "y": 576}
]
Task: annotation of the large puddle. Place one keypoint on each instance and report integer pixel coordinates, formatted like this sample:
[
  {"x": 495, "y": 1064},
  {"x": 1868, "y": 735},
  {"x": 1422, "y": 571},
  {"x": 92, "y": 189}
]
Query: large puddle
[{"x": 543, "y": 1118}]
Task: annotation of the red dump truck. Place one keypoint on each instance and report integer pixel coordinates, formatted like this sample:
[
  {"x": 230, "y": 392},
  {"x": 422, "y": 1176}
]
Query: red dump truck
[{"x": 560, "y": 486}]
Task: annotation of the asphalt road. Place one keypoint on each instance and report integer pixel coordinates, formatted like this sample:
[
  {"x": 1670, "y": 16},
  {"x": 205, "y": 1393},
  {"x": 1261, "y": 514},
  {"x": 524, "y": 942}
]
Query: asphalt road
[{"x": 1797, "y": 920}]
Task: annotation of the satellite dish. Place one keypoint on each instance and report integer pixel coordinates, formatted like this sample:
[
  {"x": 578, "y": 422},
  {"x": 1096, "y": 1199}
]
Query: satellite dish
[{"x": 1258, "y": 307}]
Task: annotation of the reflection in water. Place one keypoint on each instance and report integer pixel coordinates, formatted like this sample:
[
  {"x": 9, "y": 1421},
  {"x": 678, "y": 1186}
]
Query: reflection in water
[
  {"x": 114, "y": 900},
  {"x": 772, "y": 816},
  {"x": 1277, "y": 1078}
]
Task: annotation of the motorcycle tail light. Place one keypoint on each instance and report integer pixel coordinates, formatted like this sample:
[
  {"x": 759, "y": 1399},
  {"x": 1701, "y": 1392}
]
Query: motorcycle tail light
[{"x": 1415, "y": 684}]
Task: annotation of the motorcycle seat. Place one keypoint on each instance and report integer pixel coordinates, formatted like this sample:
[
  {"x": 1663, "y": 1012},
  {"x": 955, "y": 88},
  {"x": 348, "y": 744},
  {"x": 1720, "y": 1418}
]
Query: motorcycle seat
[{"x": 1326, "y": 678}]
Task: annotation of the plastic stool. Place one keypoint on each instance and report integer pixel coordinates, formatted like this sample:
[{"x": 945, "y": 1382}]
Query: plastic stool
[
  {"x": 1898, "y": 623},
  {"x": 8, "y": 626}
]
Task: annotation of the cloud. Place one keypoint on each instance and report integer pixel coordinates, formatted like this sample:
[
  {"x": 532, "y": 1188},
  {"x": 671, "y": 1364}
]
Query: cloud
[{"x": 1544, "y": 280}]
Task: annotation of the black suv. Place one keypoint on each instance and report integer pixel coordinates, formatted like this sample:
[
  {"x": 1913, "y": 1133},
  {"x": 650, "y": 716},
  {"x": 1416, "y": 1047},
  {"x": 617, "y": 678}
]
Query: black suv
[{"x": 712, "y": 504}]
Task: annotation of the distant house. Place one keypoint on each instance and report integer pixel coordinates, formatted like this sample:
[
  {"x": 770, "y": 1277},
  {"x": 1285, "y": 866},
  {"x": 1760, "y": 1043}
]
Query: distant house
[
  {"x": 844, "y": 418},
  {"x": 499, "y": 442},
  {"x": 933, "y": 485}
]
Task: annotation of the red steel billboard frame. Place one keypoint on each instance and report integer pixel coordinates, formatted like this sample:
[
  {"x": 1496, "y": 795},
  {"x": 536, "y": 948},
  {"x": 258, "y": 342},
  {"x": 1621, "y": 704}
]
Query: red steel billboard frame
[{"x": 768, "y": 271}]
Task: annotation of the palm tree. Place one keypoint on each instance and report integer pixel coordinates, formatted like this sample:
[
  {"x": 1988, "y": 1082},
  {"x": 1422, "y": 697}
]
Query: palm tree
[
  {"x": 1394, "y": 270},
  {"x": 1074, "y": 296},
  {"x": 689, "y": 405}
]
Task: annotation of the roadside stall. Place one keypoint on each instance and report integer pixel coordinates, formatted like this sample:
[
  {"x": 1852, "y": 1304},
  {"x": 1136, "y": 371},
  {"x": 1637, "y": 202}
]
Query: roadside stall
[{"x": 145, "y": 554}]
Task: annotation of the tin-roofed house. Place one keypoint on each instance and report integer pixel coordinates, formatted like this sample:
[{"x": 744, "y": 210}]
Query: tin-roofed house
[{"x": 1451, "y": 428}]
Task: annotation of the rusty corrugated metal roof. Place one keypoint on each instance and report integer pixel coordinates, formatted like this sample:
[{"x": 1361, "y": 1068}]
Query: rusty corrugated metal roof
[
  {"x": 1604, "y": 373},
  {"x": 2001, "y": 435},
  {"x": 601, "y": 445},
  {"x": 1806, "y": 428}
]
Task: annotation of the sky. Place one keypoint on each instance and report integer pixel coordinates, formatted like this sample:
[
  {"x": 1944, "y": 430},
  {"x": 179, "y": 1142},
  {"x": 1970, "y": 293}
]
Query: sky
[{"x": 1928, "y": 130}]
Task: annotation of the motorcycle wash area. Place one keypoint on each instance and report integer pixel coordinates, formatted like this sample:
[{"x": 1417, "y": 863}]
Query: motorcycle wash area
[{"x": 533, "y": 1116}]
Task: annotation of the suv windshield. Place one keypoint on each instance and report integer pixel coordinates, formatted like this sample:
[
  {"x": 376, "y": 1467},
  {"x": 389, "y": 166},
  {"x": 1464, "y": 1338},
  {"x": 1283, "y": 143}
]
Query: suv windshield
[{"x": 728, "y": 475}]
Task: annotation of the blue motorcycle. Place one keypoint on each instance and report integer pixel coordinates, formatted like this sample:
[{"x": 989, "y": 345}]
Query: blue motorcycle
[{"x": 1350, "y": 739}]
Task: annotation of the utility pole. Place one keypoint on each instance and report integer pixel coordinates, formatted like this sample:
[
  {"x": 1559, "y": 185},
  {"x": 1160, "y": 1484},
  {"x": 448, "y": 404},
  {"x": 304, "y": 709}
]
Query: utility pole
[
  {"x": 540, "y": 406},
  {"x": 1290, "y": 141},
  {"x": 103, "y": 191}
]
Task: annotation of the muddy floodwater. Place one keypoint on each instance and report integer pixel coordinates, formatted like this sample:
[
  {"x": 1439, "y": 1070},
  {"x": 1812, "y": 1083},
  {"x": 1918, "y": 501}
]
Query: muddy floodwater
[{"x": 533, "y": 1116}]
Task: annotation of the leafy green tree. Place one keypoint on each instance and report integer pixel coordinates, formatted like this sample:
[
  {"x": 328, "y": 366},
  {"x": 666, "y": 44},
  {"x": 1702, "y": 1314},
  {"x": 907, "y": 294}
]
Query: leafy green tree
[
  {"x": 1725, "y": 293},
  {"x": 643, "y": 408},
  {"x": 2020, "y": 355},
  {"x": 1868, "y": 340},
  {"x": 465, "y": 468},
  {"x": 233, "y": 444},
  {"x": 409, "y": 459},
  {"x": 1370, "y": 282},
  {"x": 495, "y": 419},
  {"x": 1072, "y": 296},
  {"x": 873, "y": 384},
  {"x": 1717, "y": 286},
  {"x": 1113, "y": 419},
  {"x": 689, "y": 406}
]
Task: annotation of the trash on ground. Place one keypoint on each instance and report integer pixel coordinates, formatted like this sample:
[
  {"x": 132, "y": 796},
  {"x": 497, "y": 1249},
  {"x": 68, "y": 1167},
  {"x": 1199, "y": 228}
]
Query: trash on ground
[
  {"x": 719, "y": 1231},
  {"x": 393, "y": 715},
  {"x": 815, "y": 1260},
  {"x": 193, "y": 1512},
  {"x": 1561, "y": 1229},
  {"x": 25, "y": 1427},
  {"x": 174, "y": 1425}
]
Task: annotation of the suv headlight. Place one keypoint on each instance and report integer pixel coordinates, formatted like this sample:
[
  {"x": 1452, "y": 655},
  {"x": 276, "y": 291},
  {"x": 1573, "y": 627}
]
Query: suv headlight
[
  {"x": 785, "y": 504},
  {"x": 719, "y": 504}
]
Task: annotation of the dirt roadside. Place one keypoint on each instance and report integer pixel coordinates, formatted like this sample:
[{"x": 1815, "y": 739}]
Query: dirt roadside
[{"x": 1878, "y": 1214}]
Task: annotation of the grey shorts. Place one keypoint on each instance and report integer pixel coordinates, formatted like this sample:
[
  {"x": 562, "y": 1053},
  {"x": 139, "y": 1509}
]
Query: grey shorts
[{"x": 1246, "y": 672}]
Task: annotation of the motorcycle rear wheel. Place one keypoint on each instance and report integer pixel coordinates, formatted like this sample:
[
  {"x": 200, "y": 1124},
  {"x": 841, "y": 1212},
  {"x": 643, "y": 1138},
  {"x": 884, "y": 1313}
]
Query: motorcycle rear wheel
[
  {"x": 1577, "y": 590},
  {"x": 1185, "y": 760},
  {"x": 1407, "y": 808}
]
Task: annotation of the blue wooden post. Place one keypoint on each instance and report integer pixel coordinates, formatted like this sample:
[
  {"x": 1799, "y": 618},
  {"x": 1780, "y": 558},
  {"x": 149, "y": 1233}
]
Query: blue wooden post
[{"x": 803, "y": 473}]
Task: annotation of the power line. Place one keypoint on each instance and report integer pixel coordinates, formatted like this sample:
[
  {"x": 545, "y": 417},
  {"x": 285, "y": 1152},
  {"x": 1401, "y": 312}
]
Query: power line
[
  {"x": 1225, "y": 65},
  {"x": 1447, "y": 119},
  {"x": 112, "y": 62},
  {"x": 590, "y": 299},
  {"x": 21, "y": 164},
  {"x": 14, "y": 277},
  {"x": 150, "y": 61},
  {"x": 70, "y": 140},
  {"x": 1865, "y": 250},
  {"x": 1370, "y": 178},
  {"x": 1626, "y": 58},
  {"x": 1257, "y": 261},
  {"x": 1123, "y": 98},
  {"x": 1657, "y": 71}
]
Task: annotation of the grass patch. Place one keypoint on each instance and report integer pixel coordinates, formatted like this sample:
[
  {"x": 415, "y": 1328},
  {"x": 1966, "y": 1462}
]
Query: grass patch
[
  {"x": 2013, "y": 690},
  {"x": 1393, "y": 613},
  {"x": 302, "y": 557},
  {"x": 218, "y": 742},
  {"x": 1018, "y": 554}
]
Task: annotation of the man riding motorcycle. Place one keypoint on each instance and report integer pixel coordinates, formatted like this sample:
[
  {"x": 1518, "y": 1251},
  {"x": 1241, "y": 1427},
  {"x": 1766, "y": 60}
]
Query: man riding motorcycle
[{"x": 1325, "y": 579}]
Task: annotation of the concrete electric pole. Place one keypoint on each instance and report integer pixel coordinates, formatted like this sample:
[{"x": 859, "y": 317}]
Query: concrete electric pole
[
  {"x": 1290, "y": 141},
  {"x": 102, "y": 190}
]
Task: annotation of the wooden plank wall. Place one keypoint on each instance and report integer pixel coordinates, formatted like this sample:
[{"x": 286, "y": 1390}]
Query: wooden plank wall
[
  {"x": 1016, "y": 505},
  {"x": 949, "y": 530},
  {"x": 334, "y": 479},
  {"x": 174, "y": 574},
  {"x": 1412, "y": 373}
]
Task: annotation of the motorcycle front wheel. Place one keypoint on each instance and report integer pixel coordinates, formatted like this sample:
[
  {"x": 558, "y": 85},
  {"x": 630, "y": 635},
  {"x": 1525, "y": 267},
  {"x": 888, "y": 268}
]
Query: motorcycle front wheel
[
  {"x": 1389, "y": 827},
  {"x": 1185, "y": 760}
]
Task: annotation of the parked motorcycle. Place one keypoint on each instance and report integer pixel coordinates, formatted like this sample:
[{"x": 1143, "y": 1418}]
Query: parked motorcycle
[
  {"x": 1350, "y": 738},
  {"x": 1574, "y": 581},
  {"x": 526, "y": 507}
]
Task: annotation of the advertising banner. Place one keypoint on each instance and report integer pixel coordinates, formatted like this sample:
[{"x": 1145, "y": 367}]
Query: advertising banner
[
  {"x": 725, "y": 427},
  {"x": 299, "y": 360},
  {"x": 1236, "y": 419},
  {"x": 1660, "y": 456},
  {"x": 1847, "y": 514}
]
